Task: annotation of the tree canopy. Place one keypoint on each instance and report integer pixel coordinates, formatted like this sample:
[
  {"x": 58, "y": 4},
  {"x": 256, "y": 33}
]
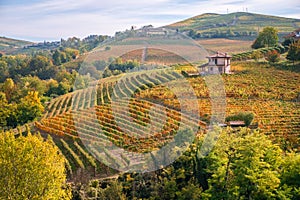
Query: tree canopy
[
  {"x": 267, "y": 38},
  {"x": 31, "y": 168},
  {"x": 294, "y": 51}
]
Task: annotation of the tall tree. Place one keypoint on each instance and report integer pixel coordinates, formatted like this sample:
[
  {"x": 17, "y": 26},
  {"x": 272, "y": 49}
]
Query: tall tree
[
  {"x": 244, "y": 166},
  {"x": 294, "y": 51},
  {"x": 3, "y": 70},
  {"x": 5, "y": 110},
  {"x": 31, "y": 168},
  {"x": 267, "y": 38},
  {"x": 8, "y": 88},
  {"x": 56, "y": 57}
]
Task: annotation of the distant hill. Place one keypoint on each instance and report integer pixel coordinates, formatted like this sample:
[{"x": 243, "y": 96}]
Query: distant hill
[
  {"x": 239, "y": 24},
  {"x": 8, "y": 44}
]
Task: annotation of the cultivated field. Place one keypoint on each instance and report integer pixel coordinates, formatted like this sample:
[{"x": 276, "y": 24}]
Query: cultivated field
[
  {"x": 226, "y": 45},
  {"x": 138, "y": 113}
]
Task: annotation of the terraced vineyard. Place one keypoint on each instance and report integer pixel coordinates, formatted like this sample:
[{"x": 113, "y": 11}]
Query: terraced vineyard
[
  {"x": 97, "y": 116},
  {"x": 138, "y": 114},
  {"x": 271, "y": 94},
  {"x": 262, "y": 52}
]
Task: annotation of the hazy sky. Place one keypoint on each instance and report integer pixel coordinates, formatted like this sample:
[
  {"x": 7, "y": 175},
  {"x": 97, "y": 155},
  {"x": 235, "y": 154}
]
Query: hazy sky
[{"x": 39, "y": 20}]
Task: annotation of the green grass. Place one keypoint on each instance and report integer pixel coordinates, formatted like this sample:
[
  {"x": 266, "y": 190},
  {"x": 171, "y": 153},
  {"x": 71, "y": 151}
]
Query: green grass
[{"x": 210, "y": 23}]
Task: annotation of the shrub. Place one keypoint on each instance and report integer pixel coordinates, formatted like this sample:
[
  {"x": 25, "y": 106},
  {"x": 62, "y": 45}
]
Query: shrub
[
  {"x": 256, "y": 55},
  {"x": 273, "y": 56},
  {"x": 246, "y": 117}
]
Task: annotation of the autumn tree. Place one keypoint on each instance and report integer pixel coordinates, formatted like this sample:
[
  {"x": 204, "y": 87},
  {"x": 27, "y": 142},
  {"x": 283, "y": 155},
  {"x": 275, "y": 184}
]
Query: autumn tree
[
  {"x": 8, "y": 88},
  {"x": 31, "y": 168},
  {"x": 294, "y": 52},
  {"x": 267, "y": 38},
  {"x": 273, "y": 56}
]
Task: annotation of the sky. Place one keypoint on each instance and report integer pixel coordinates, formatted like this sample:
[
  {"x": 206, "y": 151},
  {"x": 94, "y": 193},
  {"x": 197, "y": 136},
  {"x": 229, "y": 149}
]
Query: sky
[{"x": 50, "y": 20}]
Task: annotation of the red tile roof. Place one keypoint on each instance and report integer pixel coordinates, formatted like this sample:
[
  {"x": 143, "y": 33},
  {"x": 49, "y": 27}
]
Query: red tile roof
[
  {"x": 294, "y": 34},
  {"x": 220, "y": 55}
]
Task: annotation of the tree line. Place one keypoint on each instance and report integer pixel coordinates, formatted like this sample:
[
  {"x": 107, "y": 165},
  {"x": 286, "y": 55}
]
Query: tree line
[{"x": 243, "y": 164}]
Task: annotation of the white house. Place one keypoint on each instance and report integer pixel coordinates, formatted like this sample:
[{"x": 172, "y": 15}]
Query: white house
[{"x": 218, "y": 63}]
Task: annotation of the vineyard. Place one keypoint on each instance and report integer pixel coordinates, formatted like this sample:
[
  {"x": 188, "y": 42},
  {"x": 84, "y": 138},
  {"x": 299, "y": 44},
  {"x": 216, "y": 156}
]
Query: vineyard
[
  {"x": 138, "y": 114},
  {"x": 110, "y": 115},
  {"x": 272, "y": 95},
  {"x": 262, "y": 52}
]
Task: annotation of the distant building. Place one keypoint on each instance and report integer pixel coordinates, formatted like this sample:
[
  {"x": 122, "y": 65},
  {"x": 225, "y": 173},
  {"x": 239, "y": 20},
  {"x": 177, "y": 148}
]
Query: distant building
[
  {"x": 218, "y": 63},
  {"x": 295, "y": 35}
]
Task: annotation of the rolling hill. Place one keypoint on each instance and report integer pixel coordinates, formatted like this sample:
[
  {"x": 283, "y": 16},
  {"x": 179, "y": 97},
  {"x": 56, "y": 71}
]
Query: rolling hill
[
  {"x": 239, "y": 24},
  {"x": 9, "y": 44}
]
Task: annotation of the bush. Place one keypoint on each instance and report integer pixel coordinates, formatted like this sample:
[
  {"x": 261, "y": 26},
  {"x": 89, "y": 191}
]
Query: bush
[
  {"x": 246, "y": 117},
  {"x": 273, "y": 56},
  {"x": 256, "y": 55}
]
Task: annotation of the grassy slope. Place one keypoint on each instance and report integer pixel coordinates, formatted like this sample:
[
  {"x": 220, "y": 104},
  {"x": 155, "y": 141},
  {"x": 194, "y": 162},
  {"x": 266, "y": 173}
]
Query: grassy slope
[
  {"x": 6, "y": 44},
  {"x": 239, "y": 21}
]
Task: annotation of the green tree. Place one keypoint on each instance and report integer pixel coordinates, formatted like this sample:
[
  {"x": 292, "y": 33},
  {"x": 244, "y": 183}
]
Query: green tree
[
  {"x": 190, "y": 192},
  {"x": 113, "y": 191},
  {"x": 38, "y": 63},
  {"x": 3, "y": 70},
  {"x": 290, "y": 175},
  {"x": 294, "y": 52},
  {"x": 63, "y": 87},
  {"x": 267, "y": 38},
  {"x": 30, "y": 83},
  {"x": 244, "y": 165},
  {"x": 5, "y": 110},
  {"x": 29, "y": 108},
  {"x": 56, "y": 57},
  {"x": 31, "y": 168}
]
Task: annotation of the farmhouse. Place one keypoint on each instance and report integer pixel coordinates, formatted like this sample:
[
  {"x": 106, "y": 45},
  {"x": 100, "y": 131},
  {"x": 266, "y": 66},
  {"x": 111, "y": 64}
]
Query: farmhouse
[
  {"x": 295, "y": 35},
  {"x": 218, "y": 63}
]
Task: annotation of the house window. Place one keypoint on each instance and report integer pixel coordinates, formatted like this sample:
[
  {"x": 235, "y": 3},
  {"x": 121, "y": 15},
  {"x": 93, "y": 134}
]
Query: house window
[
  {"x": 211, "y": 69},
  {"x": 216, "y": 61},
  {"x": 220, "y": 69}
]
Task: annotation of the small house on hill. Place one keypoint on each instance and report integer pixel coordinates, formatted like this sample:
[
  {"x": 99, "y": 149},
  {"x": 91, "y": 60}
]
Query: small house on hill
[
  {"x": 295, "y": 35},
  {"x": 218, "y": 63}
]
